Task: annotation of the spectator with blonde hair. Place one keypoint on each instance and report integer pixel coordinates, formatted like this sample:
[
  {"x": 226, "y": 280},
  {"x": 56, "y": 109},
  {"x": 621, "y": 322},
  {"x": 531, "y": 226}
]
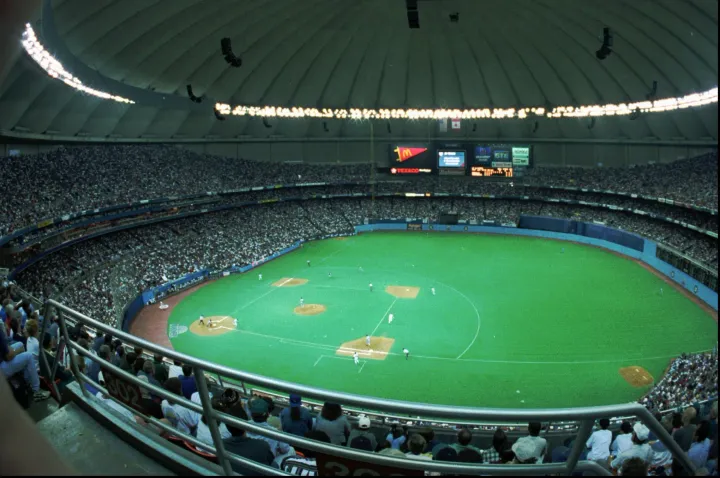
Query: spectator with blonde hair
[
  {"x": 33, "y": 344},
  {"x": 684, "y": 436}
]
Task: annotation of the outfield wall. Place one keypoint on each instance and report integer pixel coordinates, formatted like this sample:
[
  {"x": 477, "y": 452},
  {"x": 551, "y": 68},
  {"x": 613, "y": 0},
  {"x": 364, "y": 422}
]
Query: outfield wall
[{"x": 615, "y": 240}]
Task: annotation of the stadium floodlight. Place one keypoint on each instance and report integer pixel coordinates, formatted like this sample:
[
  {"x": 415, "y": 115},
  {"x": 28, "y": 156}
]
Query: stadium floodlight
[{"x": 607, "y": 44}]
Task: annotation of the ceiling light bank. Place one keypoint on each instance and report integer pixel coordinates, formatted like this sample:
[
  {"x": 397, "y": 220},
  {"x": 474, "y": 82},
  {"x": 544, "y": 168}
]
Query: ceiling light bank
[
  {"x": 53, "y": 67},
  {"x": 657, "y": 106}
]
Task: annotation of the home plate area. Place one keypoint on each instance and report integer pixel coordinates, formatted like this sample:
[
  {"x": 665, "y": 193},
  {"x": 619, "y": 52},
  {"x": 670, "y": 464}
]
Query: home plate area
[{"x": 378, "y": 349}]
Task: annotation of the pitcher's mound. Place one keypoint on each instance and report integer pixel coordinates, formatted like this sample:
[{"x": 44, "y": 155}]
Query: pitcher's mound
[
  {"x": 310, "y": 309},
  {"x": 221, "y": 324},
  {"x": 378, "y": 350},
  {"x": 402, "y": 291},
  {"x": 289, "y": 282},
  {"x": 636, "y": 376}
]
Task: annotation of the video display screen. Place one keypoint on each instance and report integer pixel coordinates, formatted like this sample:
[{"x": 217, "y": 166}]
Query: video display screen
[
  {"x": 451, "y": 159},
  {"x": 411, "y": 159}
]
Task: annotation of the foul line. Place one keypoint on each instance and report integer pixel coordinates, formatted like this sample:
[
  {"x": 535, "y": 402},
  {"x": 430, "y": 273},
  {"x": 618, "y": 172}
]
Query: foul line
[
  {"x": 361, "y": 367},
  {"x": 383, "y": 317}
]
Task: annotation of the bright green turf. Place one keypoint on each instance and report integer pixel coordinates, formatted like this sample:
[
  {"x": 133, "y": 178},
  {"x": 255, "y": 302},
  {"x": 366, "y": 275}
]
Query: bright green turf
[{"x": 555, "y": 326}]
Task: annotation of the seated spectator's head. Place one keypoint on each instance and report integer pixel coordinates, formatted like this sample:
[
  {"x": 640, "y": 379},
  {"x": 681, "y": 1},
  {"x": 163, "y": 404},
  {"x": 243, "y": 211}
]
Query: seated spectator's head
[
  {"x": 626, "y": 427},
  {"x": 173, "y": 385},
  {"x": 138, "y": 351},
  {"x": 634, "y": 467},
  {"x": 270, "y": 404},
  {"x": 230, "y": 396},
  {"x": 702, "y": 431},
  {"x": 534, "y": 429},
  {"x": 148, "y": 367},
  {"x": 677, "y": 421},
  {"x": 108, "y": 339},
  {"x": 468, "y": 455},
  {"x": 464, "y": 437},
  {"x": 640, "y": 433},
  {"x": 316, "y": 435},
  {"x": 187, "y": 370},
  {"x": 604, "y": 423},
  {"x": 416, "y": 444},
  {"x": 217, "y": 404},
  {"x": 237, "y": 410},
  {"x": 104, "y": 352},
  {"x": 130, "y": 358},
  {"x": 138, "y": 365},
  {"x": 363, "y": 422},
  {"x": 258, "y": 409},
  {"x": 688, "y": 416},
  {"x": 31, "y": 328},
  {"x": 331, "y": 411},
  {"x": 120, "y": 350},
  {"x": 444, "y": 453},
  {"x": 158, "y": 358},
  {"x": 427, "y": 433},
  {"x": 524, "y": 450},
  {"x": 500, "y": 440}
]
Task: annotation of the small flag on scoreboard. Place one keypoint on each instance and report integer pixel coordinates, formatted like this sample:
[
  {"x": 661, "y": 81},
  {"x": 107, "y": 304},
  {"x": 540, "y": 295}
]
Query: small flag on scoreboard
[
  {"x": 443, "y": 125},
  {"x": 456, "y": 123}
]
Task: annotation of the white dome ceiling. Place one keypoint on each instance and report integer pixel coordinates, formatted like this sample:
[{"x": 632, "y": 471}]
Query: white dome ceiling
[{"x": 361, "y": 53}]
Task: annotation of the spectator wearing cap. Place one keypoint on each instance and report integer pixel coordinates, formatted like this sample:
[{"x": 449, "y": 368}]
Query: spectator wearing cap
[
  {"x": 464, "y": 438},
  {"x": 540, "y": 443},
  {"x": 332, "y": 421},
  {"x": 700, "y": 447},
  {"x": 259, "y": 411},
  {"x": 499, "y": 444},
  {"x": 188, "y": 381},
  {"x": 599, "y": 442},
  {"x": 362, "y": 429},
  {"x": 179, "y": 417},
  {"x": 430, "y": 441},
  {"x": 640, "y": 448},
  {"x": 305, "y": 465},
  {"x": 296, "y": 419},
  {"x": 416, "y": 447},
  {"x": 242, "y": 445},
  {"x": 684, "y": 436},
  {"x": 623, "y": 441}
]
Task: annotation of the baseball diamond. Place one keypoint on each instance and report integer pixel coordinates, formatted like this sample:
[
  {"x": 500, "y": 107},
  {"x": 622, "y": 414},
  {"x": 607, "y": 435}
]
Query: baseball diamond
[{"x": 509, "y": 313}]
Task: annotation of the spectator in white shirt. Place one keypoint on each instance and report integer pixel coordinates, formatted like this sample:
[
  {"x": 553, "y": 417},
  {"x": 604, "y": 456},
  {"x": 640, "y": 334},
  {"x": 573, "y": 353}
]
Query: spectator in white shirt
[
  {"x": 203, "y": 429},
  {"x": 623, "y": 441},
  {"x": 175, "y": 370},
  {"x": 599, "y": 442},
  {"x": 179, "y": 417},
  {"x": 640, "y": 448},
  {"x": 540, "y": 443},
  {"x": 33, "y": 345}
]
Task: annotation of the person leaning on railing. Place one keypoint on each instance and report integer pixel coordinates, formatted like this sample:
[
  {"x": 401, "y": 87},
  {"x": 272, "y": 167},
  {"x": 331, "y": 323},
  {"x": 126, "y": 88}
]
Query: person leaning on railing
[{"x": 14, "y": 360}]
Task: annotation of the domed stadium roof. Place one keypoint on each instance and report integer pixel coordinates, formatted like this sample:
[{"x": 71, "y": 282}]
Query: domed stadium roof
[{"x": 362, "y": 54}]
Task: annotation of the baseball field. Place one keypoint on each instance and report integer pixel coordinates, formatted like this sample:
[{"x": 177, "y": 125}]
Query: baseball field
[{"x": 514, "y": 322}]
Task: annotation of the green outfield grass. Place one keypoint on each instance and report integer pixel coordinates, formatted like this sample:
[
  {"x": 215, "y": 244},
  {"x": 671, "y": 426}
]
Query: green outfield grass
[{"x": 515, "y": 323}]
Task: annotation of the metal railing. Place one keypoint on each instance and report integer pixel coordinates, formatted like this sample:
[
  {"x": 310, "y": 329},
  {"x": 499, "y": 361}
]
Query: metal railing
[{"x": 586, "y": 415}]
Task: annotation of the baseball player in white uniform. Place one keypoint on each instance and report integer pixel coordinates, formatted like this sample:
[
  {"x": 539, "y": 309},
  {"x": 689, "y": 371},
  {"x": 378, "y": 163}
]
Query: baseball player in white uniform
[
  {"x": 356, "y": 358},
  {"x": 390, "y": 318},
  {"x": 371, "y": 287},
  {"x": 329, "y": 274},
  {"x": 432, "y": 289},
  {"x": 367, "y": 340},
  {"x": 302, "y": 301},
  {"x": 235, "y": 323},
  {"x": 202, "y": 320},
  {"x": 406, "y": 352},
  {"x": 259, "y": 276},
  {"x": 210, "y": 323}
]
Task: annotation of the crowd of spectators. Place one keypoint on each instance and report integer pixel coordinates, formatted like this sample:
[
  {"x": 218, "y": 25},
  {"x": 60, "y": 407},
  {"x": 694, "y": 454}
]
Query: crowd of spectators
[
  {"x": 690, "y": 379},
  {"x": 119, "y": 174}
]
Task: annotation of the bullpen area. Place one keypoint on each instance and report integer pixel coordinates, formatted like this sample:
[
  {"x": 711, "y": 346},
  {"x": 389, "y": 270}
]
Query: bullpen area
[{"x": 495, "y": 321}]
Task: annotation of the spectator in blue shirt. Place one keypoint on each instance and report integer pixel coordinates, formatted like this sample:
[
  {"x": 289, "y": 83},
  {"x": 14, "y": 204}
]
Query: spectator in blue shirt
[
  {"x": 187, "y": 381},
  {"x": 12, "y": 361},
  {"x": 296, "y": 419}
]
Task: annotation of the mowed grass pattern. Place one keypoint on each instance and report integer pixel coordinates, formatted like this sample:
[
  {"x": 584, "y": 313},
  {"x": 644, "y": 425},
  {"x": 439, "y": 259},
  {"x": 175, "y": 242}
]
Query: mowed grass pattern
[{"x": 516, "y": 322}]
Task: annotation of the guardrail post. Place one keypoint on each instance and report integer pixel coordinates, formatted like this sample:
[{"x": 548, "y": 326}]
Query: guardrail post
[
  {"x": 210, "y": 416},
  {"x": 69, "y": 349},
  {"x": 43, "y": 354},
  {"x": 581, "y": 438},
  {"x": 656, "y": 427}
]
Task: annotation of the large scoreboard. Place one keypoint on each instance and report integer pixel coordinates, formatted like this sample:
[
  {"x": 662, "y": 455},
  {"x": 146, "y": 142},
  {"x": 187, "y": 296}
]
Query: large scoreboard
[{"x": 476, "y": 160}]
